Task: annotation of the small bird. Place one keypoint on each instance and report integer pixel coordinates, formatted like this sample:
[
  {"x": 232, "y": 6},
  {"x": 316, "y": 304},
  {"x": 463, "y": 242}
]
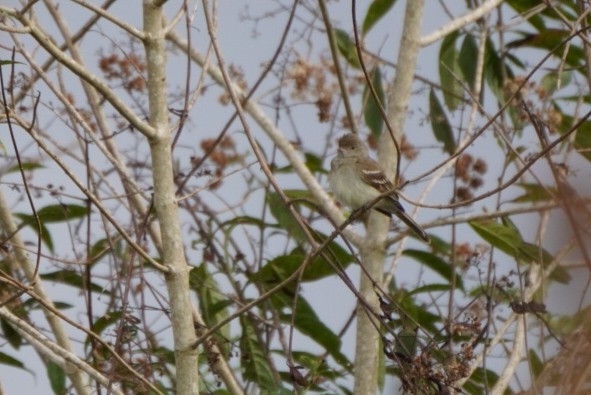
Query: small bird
[{"x": 356, "y": 180}]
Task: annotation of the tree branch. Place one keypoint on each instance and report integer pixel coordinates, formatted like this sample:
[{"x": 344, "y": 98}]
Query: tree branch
[{"x": 460, "y": 22}]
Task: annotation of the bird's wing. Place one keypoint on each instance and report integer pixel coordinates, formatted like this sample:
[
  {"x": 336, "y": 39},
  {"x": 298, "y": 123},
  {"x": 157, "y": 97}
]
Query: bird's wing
[{"x": 372, "y": 174}]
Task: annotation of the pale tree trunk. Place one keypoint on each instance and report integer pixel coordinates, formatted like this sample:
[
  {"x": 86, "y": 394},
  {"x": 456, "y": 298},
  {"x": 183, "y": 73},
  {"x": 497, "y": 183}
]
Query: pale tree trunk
[
  {"x": 173, "y": 257},
  {"x": 372, "y": 252}
]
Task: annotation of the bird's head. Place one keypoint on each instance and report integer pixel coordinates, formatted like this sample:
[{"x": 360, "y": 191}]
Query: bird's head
[{"x": 351, "y": 145}]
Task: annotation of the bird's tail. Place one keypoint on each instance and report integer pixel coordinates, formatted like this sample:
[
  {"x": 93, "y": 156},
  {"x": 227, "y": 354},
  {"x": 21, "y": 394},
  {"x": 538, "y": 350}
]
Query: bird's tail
[
  {"x": 390, "y": 205},
  {"x": 413, "y": 225}
]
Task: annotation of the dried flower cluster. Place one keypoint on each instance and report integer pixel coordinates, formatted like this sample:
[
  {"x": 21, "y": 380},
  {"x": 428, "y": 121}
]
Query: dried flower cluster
[
  {"x": 221, "y": 155},
  {"x": 469, "y": 172},
  {"x": 432, "y": 365},
  {"x": 467, "y": 256},
  {"x": 311, "y": 83},
  {"x": 128, "y": 69},
  {"x": 536, "y": 97},
  {"x": 237, "y": 77}
]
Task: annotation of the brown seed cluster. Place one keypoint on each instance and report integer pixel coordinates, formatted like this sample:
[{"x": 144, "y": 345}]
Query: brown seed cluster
[
  {"x": 128, "y": 69},
  {"x": 424, "y": 372},
  {"x": 536, "y": 97},
  {"x": 468, "y": 256},
  {"x": 434, "y": 367},
  {"x": 222, "y": 155},
  {"x": 237, "y": 76},
  {"x": 313, "y": 83},
  {"x": 407, "y": 149},
  {"x": 469, "y": 172}
]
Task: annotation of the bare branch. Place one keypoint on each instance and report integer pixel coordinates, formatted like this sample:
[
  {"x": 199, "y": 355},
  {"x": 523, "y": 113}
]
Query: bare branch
[{"x": 460, "y": 22}]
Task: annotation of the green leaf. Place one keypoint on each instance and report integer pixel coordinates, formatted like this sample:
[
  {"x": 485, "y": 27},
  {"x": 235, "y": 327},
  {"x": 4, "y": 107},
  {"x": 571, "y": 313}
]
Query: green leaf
[
  {"x": 10, "y": 334},
  {"x": 467, "y": 59},
  {"x": 505, "y": 238},
  {"x": 164, "y": 354},
  {"x": 284, "y": 216},
  {"x": 514, "y": 154},
  {"x": 52, "y": 214},
  {"x": 102, "y": 248},
  {"x": 5, "y": 62},
  {"x": 509, "y": 223},
  {"x": 73, "y": 279},
  {"x": 281, "y": 267},
  {"x": 406, "y": 343},
  {"x": 280, "y": 391},
  {"x": 536, "y": 193},
  {"x": 536, "y": 364},
  {"x": 436, "y": 264},
  {"x": 102, "y": 323},
  {"x": 582, "y": 136},
  {"x": 475, "y": 385},
  {"x": 372, "y": 115},
  {"x": 317, "y": 366},
  {"x": 32, "y": 304},
  {"x": 255, "y": 366},
  {"x": 440, "y": 246},
  {"x": 549, "y": 39},
  {"x": 413, "y": 315},
  {"x": 246, "y": 220},
  {"x": 376, "y": 11},
  {"x": 493, "y": 70},
  {"x": 61, "y": 213},
  {"x": 343, "y": 390},
  {"x": 440, "y": 124},
  {"x": 313, "y": 163},
  {"x": 319, "y": 268},
  {"x": 62, "y": 305},
  {"x": 561, "y": 275},
  {"x": 516, "y": 60},
  {"x": 278, "y": 269},
  {"x": 533, "y": 253},
  {"x": 347, "y": 48},
  {"x": 212, "y": 302},
  {"x": 26, "y": 166},
  {"x": 431, "y": 288},
  {"x": 449, "y": 71},
  {"x": 307, "y": 322},
  {"x": 550, "y": 82},
  {"x": 523, "y": 6},
  {"x": 29, "y": 220},
  {"x": 7, "y": 360},
  {"x": 308, "y": 360},
  {"x": 57, "y": 378}
]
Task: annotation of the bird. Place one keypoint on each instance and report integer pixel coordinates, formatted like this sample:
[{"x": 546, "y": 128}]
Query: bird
[{"x": 356, "y": 180}]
